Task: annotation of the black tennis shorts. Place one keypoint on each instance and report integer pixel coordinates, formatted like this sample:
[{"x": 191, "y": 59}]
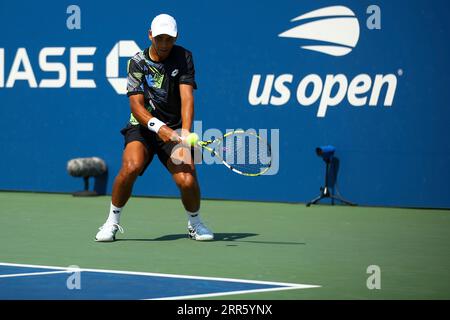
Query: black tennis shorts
[
  {"x": 151, "y": 141},
  {"x": 153, "y": 144}
]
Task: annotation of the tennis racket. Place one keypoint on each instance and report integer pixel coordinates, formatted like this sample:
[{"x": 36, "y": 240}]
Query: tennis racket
[{"x": 243, "y": 152}]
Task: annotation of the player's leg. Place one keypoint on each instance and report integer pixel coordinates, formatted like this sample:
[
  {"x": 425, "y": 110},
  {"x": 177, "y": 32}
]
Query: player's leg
[
  {"x": 135, "y": 158},
  {"x": 185, "y": 177}
]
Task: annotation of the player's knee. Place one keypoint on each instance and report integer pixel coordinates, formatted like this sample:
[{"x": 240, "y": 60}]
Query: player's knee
[
  {"x": 131, "y": 168},
  {"x": 186, "y": 181}
]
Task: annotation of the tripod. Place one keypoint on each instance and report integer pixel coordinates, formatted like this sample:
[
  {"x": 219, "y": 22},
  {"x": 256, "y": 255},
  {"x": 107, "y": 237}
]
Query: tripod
[
  {"x": 85, "y": 192},
  {"x": 325, "y": 191}
]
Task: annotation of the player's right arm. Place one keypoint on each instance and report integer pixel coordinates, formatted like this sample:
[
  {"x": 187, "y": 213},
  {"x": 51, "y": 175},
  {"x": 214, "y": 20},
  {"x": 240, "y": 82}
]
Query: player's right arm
[
  {"x": 144, "y": 117},
  {"x": 135, "y": 92}
]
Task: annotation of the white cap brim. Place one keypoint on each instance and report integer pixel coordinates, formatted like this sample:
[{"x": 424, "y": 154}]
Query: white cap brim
[{"x": 168, "y": 31}]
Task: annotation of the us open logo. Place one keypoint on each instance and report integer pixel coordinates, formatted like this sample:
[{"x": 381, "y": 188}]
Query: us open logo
[{"x": 336, "y": 29}]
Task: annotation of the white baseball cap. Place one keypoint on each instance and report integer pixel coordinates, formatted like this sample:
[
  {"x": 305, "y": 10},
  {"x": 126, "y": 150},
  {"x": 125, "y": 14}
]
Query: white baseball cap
[{"x": 164, "y": 24}]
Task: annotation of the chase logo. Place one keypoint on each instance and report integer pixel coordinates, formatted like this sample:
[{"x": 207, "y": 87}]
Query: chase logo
[
  {"x": 123, "y": 48},
  {"x": 336, "y": 29}
]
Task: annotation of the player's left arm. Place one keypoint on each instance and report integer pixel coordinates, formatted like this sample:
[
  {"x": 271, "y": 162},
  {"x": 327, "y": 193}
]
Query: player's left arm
[
  {"x": 187, "y": 107},
  {"x": 187, "y": 86}
]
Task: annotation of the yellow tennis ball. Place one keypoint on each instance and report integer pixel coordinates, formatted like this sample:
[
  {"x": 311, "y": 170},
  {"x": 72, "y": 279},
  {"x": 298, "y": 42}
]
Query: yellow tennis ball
[{"x": 192, "y": 139}]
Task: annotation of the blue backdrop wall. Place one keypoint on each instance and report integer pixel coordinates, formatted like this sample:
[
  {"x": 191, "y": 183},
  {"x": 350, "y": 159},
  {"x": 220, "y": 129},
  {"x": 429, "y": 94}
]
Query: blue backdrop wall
[{"x": 390, "y": 130}]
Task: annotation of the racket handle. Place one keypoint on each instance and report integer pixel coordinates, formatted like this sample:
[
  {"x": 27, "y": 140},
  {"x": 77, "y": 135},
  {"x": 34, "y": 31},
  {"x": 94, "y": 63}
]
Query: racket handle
[{"x": 176, "y": 138}]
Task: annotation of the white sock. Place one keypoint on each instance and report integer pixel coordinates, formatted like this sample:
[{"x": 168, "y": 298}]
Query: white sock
[
  {"x": 193, "y": 218},
  {"x": 114, "y": 214}
]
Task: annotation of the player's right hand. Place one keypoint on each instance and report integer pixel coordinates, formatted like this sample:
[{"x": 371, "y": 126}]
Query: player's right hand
[{"x": 168, "y": 135}]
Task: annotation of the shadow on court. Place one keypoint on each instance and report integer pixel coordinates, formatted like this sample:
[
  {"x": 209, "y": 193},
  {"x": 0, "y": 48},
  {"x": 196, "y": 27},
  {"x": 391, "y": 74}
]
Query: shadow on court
[{"x": 224, "y": 237}]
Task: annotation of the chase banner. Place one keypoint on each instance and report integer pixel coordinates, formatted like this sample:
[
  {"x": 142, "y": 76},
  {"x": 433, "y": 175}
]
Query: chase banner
[{"x": 369, "y": 78}]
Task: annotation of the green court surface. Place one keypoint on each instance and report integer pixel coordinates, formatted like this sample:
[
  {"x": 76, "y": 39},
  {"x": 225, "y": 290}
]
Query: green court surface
[{"x": 329, "y": 246}]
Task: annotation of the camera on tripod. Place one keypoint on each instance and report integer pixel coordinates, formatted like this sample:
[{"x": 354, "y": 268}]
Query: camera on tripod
[{"x": 327, "y": 154}]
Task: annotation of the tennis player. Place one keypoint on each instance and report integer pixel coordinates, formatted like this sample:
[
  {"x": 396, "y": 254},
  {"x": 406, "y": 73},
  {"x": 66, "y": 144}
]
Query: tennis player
[{"x": 161, "y": 81}]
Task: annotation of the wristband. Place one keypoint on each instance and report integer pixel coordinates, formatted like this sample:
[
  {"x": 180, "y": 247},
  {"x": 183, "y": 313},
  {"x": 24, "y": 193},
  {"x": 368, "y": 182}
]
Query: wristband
[{"x": 154, "y": 124}]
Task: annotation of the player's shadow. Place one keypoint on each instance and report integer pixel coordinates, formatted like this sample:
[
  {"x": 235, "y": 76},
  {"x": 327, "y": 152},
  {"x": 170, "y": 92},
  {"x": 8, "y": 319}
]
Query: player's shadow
[{"x": 224, "y": 237}]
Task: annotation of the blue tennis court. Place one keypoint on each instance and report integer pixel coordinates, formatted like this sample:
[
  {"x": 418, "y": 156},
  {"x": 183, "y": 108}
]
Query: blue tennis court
[{"x": 55, "y": 283}]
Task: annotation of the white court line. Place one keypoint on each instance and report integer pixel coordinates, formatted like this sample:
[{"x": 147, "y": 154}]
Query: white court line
[
  {"x": 284, "y": 285},
  {"x": 30, "y": 274},
  {"x": 227, "y": 293},
  {"x": 158, "y": 275},
  {"x": 31, "y": 266}
]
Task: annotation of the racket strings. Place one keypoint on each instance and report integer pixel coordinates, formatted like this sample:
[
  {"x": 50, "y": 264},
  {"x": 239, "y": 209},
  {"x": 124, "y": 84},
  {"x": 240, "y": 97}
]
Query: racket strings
[{"x": 246, "y": 153}]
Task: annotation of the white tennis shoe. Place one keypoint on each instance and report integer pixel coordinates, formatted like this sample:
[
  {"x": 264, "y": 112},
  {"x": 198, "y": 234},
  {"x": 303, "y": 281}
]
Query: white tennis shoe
[
  {"x": 108, "y": 232},
  {"x": 199, "y": 232}
]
